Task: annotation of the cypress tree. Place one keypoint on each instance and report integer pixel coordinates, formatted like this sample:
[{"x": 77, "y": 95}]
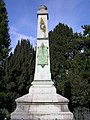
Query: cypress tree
[
  {"x": 4, "y": 33},
  {"x": 19, "y": 71},
  {"x": 4, "y": 50}
]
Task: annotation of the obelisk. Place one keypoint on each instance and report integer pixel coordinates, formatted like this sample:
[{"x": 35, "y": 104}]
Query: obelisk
[{"x": 42, "y": 102}]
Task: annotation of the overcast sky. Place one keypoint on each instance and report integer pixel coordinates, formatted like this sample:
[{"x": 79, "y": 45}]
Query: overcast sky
[{"x": 22, "y": 15}]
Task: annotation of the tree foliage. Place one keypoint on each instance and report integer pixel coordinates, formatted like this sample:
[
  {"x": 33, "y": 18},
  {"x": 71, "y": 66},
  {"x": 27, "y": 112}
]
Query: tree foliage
[
  {"x": 4, "y": 50},
  {"x": 86, "y": 30},
  {"x": 70, "y": 64},
  {"x": 19, "y": 69},
  {"x": 4, "y": 32}
]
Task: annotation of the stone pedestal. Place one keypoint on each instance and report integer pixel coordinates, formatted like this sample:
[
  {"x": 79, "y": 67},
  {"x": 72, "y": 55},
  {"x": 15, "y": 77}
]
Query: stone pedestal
[{"x": 42, "y": 102}]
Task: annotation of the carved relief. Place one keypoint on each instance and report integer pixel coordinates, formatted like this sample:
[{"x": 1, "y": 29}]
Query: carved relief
[{"x": 43, "y": 55}]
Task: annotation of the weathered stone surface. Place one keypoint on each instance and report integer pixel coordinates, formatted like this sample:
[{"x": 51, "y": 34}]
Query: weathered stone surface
[{"x": 42, "y": 103}]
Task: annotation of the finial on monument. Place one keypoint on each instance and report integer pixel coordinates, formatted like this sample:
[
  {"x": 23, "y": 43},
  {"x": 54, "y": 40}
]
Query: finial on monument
[
  {"x": 42, "y": 7},
  {"x": 42, "y": 10}
]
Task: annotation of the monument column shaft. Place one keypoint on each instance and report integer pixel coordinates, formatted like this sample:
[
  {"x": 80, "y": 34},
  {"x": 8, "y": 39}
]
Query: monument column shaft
[{"x": 42, "y": 65}]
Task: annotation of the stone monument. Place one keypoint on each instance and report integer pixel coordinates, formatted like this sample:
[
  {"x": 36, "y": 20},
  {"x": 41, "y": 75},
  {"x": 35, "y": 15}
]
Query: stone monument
[{"x": 42, "y": 102}]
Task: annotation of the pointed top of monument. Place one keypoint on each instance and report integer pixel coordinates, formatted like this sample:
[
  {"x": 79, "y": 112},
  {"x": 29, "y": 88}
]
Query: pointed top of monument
[
  {"x": 42, "y": 10},
  {"x": 42, "y": 7}
]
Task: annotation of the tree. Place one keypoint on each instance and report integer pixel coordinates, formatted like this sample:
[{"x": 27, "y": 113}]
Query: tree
[
  {"x": 4, "y": 38},
  {"x": 4, "y": 33},
  {"x": 60, "y": 50},
  {"x": 70, "y": 64},
  {"x": 19, "y": 69},
  {"x": 86, "y": 30},
  {"x": 4, "y": 50}
]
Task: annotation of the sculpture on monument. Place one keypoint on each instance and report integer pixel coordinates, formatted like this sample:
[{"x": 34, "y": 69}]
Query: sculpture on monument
[{"x": 42, "y": 102}]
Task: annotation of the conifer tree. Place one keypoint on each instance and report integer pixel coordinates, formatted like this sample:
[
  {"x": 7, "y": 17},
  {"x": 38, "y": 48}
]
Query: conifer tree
[
  {"x": 19, "y": 71},
  {"x": 86, "y": 30},
  {"x": 4, "y": 50},
  {"x": 4, "y": 33},
  {"x": 70, "y": 63}
]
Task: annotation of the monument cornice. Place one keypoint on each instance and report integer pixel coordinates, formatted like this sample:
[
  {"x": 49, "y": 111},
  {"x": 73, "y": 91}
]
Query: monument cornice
[{"x": 42, "y": 38}]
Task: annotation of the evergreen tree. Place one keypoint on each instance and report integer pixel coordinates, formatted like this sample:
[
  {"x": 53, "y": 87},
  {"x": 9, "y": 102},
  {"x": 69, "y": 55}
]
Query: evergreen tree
[
  {"x": 86, "y": 30},
  {"x": 80, "y": 72},
  {"x": 4, "y": 33},
  {"x": 70, "y": 63},
  {"x": 60, "y": 49},
  {"x": 19, "y": 71},
  {"x": 4, "y": 50}
]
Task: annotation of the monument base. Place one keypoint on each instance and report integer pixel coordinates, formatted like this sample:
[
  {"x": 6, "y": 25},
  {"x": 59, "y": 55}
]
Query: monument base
[{"x": 42, "y": 103}]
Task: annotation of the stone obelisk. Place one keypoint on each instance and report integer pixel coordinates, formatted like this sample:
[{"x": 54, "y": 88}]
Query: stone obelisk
[{"x": 42, "y": 102}]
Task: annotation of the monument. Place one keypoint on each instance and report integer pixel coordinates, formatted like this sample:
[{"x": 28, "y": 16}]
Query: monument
[{"x": 42, "y": 102}]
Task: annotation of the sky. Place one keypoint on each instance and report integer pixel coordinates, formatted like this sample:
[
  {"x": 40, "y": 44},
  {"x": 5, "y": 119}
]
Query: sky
[{"x": 22, "y": 16}]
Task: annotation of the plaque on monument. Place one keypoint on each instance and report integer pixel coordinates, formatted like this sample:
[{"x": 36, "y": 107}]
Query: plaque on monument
[{"x": 42, "y": 55}]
